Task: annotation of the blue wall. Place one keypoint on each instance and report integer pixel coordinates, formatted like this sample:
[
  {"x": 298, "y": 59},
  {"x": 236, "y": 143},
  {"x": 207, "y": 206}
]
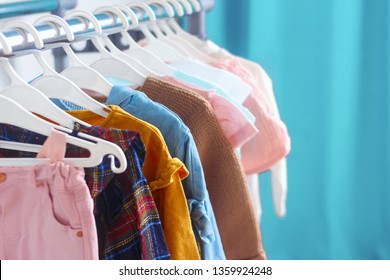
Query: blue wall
[{"x": 329, "y": 62}]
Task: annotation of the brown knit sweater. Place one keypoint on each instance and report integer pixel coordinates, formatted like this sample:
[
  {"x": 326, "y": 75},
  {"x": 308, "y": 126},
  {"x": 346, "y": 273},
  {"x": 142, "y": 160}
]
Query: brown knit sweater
[{"x": 225, "y": 179}]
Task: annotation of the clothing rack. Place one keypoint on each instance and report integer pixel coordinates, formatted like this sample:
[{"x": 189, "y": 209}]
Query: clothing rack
[
  {"x": 50, "y": 37},
  {"x": 174, "y": 101}
]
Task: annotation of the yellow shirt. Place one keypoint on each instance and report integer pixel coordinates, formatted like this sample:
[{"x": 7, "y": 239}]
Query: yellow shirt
[{"x": 164, "y": 175}]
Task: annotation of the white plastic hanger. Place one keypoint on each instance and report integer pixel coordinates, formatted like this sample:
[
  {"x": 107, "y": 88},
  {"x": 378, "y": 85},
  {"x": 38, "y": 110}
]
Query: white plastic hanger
[
  {"x": 84, "y": 76},
  {"x": 162, "y": 25},
  {"x": 157, "y": 47},
  {"x": 180, "y": 31},
  {"x": 172, "y": 39},
  {"x": 154, "y": 27},
  {"x": 195, "y": 41},
  {"x": 186, "y": 5},
  {"x": 195, "y": 5},
  {"x": 176, "y": 4},
  {"x": 16, "y": 146},
  {"x": 116, "y": 11},
  {"x": 26, "y": 95},
  {"x": 54, "y": 85},
  {"x": 143, "y": 55},
  {"x": 7, "y": 49},
  {"x": 108, "y": 65},
  {"x": 168, "y": 6},
  {"x": 14, "y": 114},
  {"x": 179, "y": 40}
]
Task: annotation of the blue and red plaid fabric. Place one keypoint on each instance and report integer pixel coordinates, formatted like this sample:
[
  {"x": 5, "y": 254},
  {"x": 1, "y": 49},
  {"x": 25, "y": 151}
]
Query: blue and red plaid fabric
[{"x": 127, "y": 220}]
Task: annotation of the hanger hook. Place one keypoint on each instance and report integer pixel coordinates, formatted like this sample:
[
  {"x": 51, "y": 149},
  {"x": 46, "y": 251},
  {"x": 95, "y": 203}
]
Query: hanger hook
[
  {"x": 186, "y": 5},
  {"x": 56, "y": 22},
  {"x": 7, "y": 49},
  {"x": 162, "y": 4},
  {"x": 85, "y": 17},
  {"x": 128, "y": 12},
  {"x": 175, "y": 4},
  {"x": 113, "y": 11},
  {"x": 113, "y": 167},
  {"x": 195, "y": 4},
  {"x": 25, "y": 27},
  {"x": 143, "y": 6}
]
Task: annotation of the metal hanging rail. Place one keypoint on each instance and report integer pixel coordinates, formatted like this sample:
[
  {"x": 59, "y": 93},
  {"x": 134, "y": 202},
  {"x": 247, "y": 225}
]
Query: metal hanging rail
[
  {"x": 56, "y": 7},
  {"x": 21, "y": 45},
  {"x": 48, "y": 33}
]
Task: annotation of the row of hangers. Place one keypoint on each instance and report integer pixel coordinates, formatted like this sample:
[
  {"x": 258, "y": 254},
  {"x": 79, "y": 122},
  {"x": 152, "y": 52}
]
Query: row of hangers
[{"x": 20, "y": 99}]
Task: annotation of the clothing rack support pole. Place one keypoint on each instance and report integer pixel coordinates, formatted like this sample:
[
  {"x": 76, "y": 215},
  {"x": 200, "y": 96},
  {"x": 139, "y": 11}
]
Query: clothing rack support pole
[{"x": 197, "y": 21}]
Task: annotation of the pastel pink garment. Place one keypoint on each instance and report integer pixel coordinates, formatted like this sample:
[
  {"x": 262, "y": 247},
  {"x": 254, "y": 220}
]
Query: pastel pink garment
[
  {"x": 272, "y": 143},
  {"x": 46, "y": 210},
  {"x": 236, "y": 127},
  {"x": 264, "y": 83}
]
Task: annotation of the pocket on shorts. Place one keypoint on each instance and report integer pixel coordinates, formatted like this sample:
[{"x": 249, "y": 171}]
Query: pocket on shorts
[
  {"x": 68, "y": 237},
  {"x": 65, "y": 210}
]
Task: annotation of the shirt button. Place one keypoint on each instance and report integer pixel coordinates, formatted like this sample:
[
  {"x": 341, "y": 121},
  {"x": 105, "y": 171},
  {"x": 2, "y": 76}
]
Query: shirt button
[
  {"x": 80, "y": 234},
  {"x": 3, "y": 177}
]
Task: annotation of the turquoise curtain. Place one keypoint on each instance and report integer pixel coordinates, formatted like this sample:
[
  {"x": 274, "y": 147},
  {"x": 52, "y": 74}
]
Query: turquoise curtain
[{"x": 329, "y": 62}]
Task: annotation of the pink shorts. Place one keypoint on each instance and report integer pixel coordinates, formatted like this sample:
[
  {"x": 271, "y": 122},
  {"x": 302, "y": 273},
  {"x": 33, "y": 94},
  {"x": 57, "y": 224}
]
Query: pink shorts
[{"x": 46, "y": 212}]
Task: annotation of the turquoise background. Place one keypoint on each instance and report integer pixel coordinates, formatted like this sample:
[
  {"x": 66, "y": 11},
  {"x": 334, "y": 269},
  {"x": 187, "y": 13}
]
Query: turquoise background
[{"x": 329, "y": 62}]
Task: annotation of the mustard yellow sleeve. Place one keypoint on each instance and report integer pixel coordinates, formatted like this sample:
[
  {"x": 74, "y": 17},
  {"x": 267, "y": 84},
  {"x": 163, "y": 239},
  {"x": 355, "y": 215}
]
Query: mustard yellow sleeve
[{"x": 174, "y": 214}]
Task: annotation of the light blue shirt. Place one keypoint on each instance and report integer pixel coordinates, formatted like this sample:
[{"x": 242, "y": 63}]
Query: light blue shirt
[{"x": 181, "y": 145}]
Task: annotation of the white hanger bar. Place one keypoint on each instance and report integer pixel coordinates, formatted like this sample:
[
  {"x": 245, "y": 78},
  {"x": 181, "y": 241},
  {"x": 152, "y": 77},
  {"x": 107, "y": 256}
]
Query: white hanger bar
[{"x": 50, "y": 37}]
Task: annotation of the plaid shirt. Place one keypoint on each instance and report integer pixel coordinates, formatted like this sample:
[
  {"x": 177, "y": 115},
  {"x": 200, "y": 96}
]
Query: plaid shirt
[{"x": 127, "y": 220}]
